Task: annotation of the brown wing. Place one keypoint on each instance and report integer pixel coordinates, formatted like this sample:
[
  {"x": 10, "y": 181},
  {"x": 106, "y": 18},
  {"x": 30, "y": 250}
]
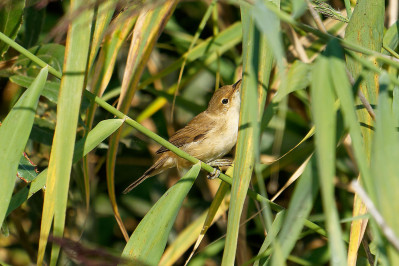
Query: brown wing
[{"x": 191, "y": 132}]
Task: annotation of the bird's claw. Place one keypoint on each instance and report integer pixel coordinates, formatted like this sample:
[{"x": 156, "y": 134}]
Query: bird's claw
[{"x": 215, "y": 174}]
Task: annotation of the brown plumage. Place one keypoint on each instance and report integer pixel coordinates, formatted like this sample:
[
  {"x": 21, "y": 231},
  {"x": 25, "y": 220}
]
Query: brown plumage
[{"x": 208, "y": 136}]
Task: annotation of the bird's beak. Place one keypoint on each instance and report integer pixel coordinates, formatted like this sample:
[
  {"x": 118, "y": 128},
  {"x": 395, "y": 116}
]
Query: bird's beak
[{"x": 237, "y": 85}]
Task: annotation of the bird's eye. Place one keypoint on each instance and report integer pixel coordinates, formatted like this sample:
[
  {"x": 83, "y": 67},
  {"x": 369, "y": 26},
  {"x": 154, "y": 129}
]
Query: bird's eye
[{"x": 225, "y": 101}]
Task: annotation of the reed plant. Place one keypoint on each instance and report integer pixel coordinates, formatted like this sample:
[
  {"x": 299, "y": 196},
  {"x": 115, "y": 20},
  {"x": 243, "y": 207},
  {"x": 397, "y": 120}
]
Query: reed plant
[{"x": 90, "y": 89}]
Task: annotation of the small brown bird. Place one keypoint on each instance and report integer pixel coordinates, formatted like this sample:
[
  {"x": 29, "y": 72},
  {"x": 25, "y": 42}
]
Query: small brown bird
[{"x": 208, "y": 136}]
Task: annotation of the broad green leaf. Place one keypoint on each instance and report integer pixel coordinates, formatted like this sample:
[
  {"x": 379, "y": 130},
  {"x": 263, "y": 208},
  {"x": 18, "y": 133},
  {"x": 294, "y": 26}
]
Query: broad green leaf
[
  {"x": 72, "y": 82},
  {"x": 82, "y": 147},
  {"x": 365, "y": 28},
  {"x": 344, "y": 92},
  {"x": 324, "y": 116},
  {"x": 220, "y": 198},
  {"x": 391, "y": 37},
  {"x": 33, "y": 24},
  {"x": 294, "y": 219},
  {"x": 265, "y": 249},
  {"x": 269, "y": 24},
  {"x": 266, "y": 64},
  {"x": 196, "y": 230},
  {"x": 367, "y": 33},
  {"x": 14, "y": 134},
  {"x": 10, "y": 21},
  {"x": 298, "y": 8},
  {"x": 248, "y": 131},
  {"x": 385, "y": 167},
  {"x": 297, "y": 78},
  {"x": 300, "y": 206},
  {"x": 148, "y": 240}
]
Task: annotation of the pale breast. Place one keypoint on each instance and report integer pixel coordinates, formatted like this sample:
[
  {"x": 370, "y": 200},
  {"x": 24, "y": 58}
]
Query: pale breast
[{"x": 218, "y": 142}]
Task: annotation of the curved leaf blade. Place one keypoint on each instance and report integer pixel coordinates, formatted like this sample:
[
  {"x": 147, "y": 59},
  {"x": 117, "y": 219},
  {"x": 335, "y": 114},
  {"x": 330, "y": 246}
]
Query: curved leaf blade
[
  {"x": 301, "y": 204},
  {"x": 248, "y": 132},
  {"x": 69, "y": 100},
  {"x": 97, "y": 135},
  {"x": 148, "y": 241},
  {"x": 385, "y": 167},
  {"x": 14, "y": 134},
  {"x": 10, "y": 21},
  {"x": 365, "y": 28},
  {"x": 324, "y": 116}
]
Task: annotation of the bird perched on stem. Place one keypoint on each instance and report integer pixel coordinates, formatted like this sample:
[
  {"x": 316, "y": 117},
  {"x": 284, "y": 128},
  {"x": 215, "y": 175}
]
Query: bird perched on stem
[{"x": 208, "y": 136}]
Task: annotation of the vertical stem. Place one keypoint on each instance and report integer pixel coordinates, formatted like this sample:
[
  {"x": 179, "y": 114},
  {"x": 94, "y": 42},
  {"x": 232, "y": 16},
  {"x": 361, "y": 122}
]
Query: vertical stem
[{"x": 348, "y": 8}]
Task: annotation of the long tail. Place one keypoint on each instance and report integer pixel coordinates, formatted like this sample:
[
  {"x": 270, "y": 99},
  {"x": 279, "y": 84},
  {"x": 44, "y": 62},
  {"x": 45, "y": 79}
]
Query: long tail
[{"x": 153, "y": 170}]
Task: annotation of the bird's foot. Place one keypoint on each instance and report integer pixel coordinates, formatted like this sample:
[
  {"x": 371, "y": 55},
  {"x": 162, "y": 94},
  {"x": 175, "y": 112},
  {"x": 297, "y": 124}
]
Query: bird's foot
[{"x": 215, "y": 174}]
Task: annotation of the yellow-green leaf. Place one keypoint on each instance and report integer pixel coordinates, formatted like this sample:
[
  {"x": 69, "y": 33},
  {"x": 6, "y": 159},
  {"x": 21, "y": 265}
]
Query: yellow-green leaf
[
  {"x": 55, "y": 199},
  {"x": 148, "y": 241},
  {"x": 14, "y": 134},
  {"x": 324, "y": 116},
  {"x": 97, "y": 135}
]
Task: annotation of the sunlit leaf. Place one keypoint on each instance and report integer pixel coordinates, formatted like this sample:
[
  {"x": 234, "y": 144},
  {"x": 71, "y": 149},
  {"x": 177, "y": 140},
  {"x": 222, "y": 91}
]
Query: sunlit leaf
[
  {"x": 148, "y": 240},
  {"x": 14, "y": 133},
  {"x": 10, "y": 21},
  {"x": 69, "y": 100},
  {"x": 324, "y": 116}
]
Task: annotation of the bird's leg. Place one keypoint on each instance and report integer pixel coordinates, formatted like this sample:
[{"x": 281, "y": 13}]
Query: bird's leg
[{"x": 218, "y": 163}]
